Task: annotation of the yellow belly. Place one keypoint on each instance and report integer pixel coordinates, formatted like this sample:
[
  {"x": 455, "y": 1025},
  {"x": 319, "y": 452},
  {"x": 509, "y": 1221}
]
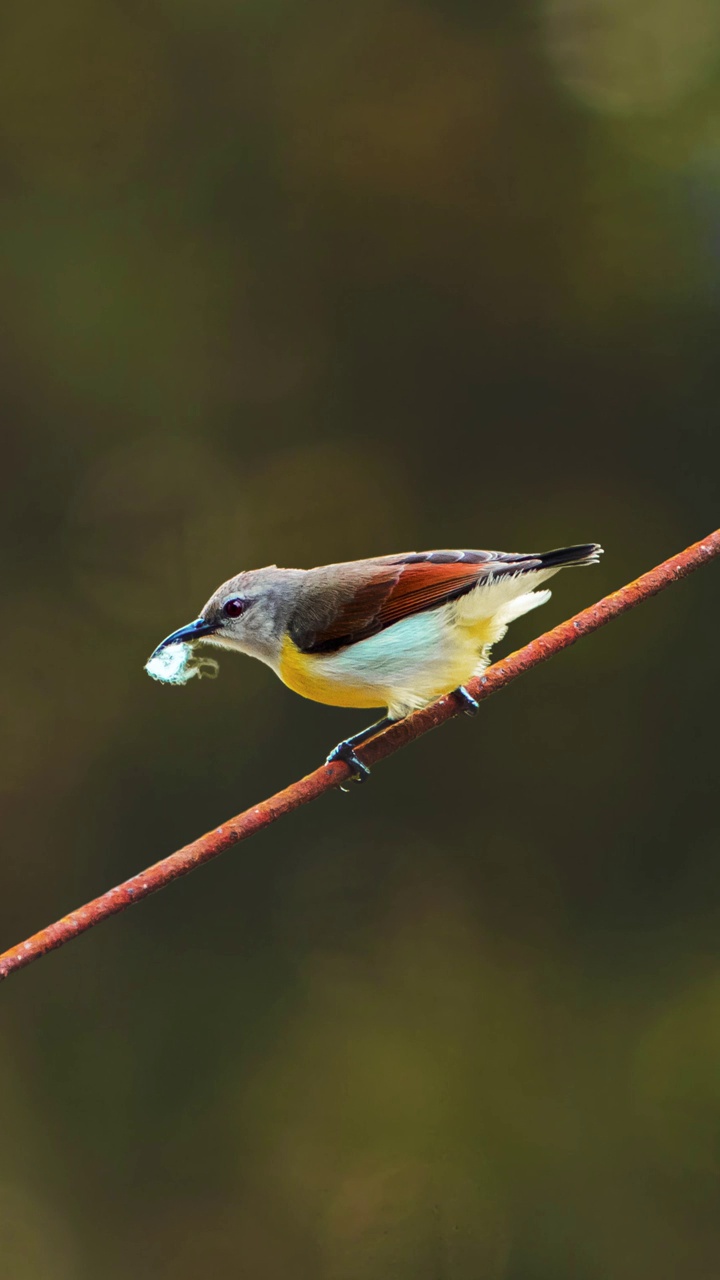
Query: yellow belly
[{"x": 303, "y": 673}]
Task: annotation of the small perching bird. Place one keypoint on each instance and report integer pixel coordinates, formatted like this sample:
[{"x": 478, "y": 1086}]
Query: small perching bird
[{"x": 395, "y": 632}]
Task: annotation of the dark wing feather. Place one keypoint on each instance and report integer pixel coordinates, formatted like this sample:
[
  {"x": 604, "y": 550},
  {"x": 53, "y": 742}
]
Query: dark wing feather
[
  {"x": 346, "y": 603},
  {"x": 355, "y": 613},
  {"x": 351, "y": 602}
]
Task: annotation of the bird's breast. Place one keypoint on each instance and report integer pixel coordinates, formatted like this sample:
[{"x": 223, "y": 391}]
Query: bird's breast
[{"x": 321, "y": 678}]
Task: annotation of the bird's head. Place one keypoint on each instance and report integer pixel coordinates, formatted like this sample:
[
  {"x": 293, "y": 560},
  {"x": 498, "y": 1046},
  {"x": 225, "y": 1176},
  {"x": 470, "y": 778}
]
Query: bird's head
[{"x": 246, "y": 613}]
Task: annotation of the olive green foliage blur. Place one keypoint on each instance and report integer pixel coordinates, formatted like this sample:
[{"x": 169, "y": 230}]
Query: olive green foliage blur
[{"x": 298, "y": 283}]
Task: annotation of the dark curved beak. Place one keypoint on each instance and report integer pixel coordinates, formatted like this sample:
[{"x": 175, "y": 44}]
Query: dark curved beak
[{"x": 193, "y": 631}]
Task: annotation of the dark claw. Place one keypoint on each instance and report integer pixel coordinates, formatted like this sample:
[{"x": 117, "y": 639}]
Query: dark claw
[
  {"x": 344, "y": 751},
  {"x": 470, "y": 706}
]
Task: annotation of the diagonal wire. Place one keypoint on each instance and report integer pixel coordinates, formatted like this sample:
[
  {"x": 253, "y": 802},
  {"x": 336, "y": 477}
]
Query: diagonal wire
[{"x": 328, "y": 776}]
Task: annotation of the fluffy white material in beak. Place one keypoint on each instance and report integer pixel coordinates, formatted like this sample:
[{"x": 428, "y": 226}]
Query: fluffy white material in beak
[{"x": 177, "y": 663}]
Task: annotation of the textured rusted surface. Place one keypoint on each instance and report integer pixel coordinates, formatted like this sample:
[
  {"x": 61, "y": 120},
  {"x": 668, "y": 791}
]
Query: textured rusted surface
[{"x": 329, "y": 776}]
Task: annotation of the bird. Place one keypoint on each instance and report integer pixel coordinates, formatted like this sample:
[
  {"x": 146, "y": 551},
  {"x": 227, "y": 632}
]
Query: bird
[{"x": 393, "y": 632}]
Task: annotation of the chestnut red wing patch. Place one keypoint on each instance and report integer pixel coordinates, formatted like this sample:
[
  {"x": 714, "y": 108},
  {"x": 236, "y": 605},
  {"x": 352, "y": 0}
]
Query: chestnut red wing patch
[
  {"x": 396, "y": 587},
  {"x": 425, "y": 585},
  {"x": 393, "y": 592}
]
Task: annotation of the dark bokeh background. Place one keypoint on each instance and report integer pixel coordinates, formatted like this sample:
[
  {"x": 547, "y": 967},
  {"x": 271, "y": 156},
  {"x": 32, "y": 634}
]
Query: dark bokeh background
[{"x": 298, "y": 283}]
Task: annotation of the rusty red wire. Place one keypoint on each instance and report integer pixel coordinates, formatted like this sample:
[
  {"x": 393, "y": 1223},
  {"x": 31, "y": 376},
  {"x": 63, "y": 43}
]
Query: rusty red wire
[{"x": 329, "y": 776}]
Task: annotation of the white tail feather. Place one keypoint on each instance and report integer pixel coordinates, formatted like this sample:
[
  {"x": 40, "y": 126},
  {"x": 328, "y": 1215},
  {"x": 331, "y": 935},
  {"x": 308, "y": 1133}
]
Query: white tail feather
[{"x": 523, "y": 604}]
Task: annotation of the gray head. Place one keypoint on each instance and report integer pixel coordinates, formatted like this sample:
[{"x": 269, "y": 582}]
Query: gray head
[{"x": 248, "y": 612}]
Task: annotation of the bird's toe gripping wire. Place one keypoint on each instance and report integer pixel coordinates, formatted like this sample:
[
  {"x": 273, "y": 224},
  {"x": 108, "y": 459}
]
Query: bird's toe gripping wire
[
  {"x": 345, "y": 750},
  {"x": 469, "y": 704}
]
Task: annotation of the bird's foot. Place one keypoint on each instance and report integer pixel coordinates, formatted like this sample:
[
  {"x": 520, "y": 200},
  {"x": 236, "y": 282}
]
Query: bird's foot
[
  {"x": 345, "y": 751},
  {"x": 470, "y": 705}
]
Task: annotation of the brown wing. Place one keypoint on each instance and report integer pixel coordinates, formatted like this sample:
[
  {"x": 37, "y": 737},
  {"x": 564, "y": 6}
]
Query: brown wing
[{"x": 346, "y": 603}]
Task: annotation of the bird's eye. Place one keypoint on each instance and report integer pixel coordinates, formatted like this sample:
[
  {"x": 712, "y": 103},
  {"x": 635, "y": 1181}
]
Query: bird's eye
[{"x": 234, "y": 607}]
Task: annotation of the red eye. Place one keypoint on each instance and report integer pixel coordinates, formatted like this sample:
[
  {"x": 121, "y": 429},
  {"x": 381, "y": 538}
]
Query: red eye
[{"x": 233, "y": 608}]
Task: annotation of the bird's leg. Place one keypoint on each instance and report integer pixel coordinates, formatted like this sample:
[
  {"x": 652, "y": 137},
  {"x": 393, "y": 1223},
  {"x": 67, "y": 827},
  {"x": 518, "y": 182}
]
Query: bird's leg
[
  {"x": 345, "y": 750},
  {"x": 470, "y": 705}
]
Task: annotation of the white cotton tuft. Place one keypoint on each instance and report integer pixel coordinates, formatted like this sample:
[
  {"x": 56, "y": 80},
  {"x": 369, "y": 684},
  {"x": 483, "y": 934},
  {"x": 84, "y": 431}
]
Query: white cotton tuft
[{"x": 177, "y": 663}]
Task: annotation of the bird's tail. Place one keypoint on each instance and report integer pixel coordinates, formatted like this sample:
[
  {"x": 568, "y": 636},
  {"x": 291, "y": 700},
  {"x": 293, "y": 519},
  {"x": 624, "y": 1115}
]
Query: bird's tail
[
  {"x": 509, "y": 591},
  {"x": 585, "y": 553}
]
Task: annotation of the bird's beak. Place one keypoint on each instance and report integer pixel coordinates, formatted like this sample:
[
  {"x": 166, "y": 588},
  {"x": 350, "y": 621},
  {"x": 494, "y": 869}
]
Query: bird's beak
[{"x": 193, "y": 631}]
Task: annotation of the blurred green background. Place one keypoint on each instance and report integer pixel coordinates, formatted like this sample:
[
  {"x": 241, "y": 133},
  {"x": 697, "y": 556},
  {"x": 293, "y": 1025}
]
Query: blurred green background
[{"x": 297, "y": 283}]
